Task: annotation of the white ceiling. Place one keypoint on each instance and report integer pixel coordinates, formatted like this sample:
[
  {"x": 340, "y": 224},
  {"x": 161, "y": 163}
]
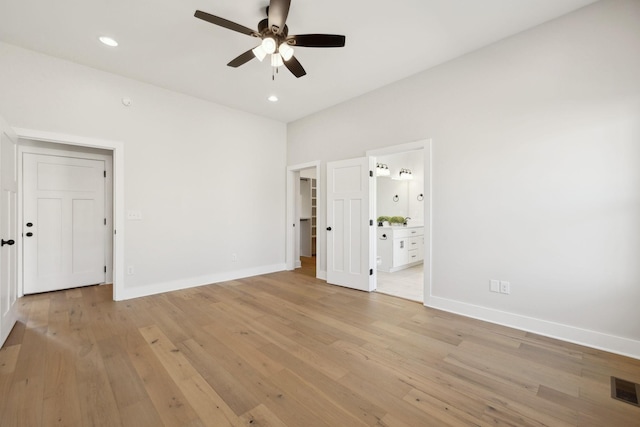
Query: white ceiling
[{"x": 163, "y": 44}]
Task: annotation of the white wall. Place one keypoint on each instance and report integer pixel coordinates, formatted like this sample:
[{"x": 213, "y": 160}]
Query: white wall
[
  {"x": 536, "y": 172},
  {"x": 209, "y": 180}
]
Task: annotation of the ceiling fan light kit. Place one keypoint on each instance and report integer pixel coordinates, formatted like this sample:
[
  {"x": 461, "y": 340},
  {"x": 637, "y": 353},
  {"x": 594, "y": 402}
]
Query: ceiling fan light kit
[{"x": 275, "y": 38}]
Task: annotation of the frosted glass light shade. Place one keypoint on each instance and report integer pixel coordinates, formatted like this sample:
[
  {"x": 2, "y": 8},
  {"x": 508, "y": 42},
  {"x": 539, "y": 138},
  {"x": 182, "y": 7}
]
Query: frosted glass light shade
[
  {"x": 285, "y": 51},
  {"x": 276, "y": 60},
  {"x": 269, "y": 45},
  {"x": 259, "y": 53}
]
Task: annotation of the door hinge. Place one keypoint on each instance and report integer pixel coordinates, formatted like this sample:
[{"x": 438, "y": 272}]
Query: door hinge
[
  {"x": 105, "y": 268},
  {"x": 371, "y": 272},
  {"x": 105, "y": 221},
  {"x": 105, "y": 174},
  {"x": 371, "y": 174},
  {"x": 370, "y": 222}
]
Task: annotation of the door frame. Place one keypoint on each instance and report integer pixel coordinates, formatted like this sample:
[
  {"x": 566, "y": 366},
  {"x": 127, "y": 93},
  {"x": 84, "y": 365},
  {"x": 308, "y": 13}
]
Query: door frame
[
  {"x": 118, "y": 213},
  {"x": 108, "y": 199},
  {"x": 427, "y": 146},
  {"x": 293, "y": 223}
]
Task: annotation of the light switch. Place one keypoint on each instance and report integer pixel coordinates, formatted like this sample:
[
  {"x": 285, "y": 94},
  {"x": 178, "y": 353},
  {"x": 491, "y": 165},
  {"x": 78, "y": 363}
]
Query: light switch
[
  {"x": 134, "y": 215},
  {"x": 495, "y": 286}
]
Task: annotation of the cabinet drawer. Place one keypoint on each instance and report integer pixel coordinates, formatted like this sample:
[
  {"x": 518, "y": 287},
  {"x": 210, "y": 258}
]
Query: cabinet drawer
[
  {"x": 414, "y": 255},
  {"x": 408, "y": 232},
  {"x": 414, "y": 242}
]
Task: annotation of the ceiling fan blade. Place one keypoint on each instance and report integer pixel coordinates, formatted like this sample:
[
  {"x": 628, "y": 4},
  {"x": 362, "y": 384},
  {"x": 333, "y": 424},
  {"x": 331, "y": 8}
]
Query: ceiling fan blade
[
  {"x": 318, "y": 40},
  {"x": 224, "y": 23},
  {"x": 278, "y": 12},
  {"x": 242, "y": 59},
  {"x": 295, "y": 67}
]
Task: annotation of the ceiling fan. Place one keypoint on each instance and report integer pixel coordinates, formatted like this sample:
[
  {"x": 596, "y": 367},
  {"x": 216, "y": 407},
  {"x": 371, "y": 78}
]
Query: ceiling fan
[{"x": 275, "y": 37}]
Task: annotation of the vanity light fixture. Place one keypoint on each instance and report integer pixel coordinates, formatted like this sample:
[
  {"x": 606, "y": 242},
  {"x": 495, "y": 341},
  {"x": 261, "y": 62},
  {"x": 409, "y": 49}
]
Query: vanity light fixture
[
  {"x": 382, "y": 170},
  {"x": 405, "y": 174}
]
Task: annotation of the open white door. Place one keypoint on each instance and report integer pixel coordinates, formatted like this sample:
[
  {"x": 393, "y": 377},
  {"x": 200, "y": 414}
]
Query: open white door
[
  {"x": 350, "y": 261},
  {"x": 8, "y": 229}
]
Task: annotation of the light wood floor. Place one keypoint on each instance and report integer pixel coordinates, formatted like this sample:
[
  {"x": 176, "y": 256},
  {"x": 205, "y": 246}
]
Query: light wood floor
[{"x": 287, "y": 349}]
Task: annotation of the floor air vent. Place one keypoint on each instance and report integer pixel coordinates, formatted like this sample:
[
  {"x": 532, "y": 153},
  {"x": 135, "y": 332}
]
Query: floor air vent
[{"x": 625, "y": 391}]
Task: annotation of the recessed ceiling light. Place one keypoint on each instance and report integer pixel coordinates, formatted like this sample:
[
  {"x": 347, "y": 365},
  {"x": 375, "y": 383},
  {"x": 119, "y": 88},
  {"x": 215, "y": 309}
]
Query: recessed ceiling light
[
  {"x": 273, "y": 98},
  {"x": 108, "y": 41}
]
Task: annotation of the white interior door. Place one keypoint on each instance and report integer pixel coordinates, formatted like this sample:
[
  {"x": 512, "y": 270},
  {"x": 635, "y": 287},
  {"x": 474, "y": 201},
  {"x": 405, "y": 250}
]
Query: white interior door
[
  {"x": 8, "y": 229},
  {"x": 350, "y": 260},
  {"x": 64, "y": 222}
]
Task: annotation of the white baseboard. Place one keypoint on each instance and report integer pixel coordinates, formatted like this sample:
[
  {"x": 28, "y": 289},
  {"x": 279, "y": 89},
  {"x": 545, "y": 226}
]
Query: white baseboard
[
  {"x": 192, "y": 282},
  {"x": 598, "y": 340}
]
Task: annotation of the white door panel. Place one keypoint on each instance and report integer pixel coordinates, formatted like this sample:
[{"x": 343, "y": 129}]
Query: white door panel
[
  {"x": 8, "y": 229},
  {"x": 64, "y": 201},
  {"x": 349, "y": 257}
]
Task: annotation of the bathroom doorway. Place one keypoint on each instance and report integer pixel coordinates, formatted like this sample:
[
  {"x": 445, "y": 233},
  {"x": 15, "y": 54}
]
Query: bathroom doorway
[{"x": 400, "y": 211}]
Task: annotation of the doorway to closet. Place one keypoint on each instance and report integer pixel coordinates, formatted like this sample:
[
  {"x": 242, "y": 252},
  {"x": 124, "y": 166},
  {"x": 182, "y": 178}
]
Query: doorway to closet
[
  {"x": 303, "y": 206},
  {"x": 67, "y": 216},
  {"x": 116, "y": 150}
]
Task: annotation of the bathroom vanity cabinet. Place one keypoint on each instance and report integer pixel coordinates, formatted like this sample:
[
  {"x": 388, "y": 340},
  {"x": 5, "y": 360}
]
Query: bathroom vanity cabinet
[{"x": 400, "y": 247}]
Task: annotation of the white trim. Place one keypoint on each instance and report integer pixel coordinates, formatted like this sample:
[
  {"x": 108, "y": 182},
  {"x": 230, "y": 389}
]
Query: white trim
[
  {"x": 193, "y": 282},
  {"x": 118, "y": 191},
  {"x": 290, "y": 262},
  {"x": 400, "y": 148},
  {"x": 598, "y": 340}
]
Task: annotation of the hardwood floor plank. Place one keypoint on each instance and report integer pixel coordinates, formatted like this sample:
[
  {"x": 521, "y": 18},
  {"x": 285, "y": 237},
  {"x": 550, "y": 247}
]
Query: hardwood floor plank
[
  {"x": 127, "y": 386},
  {"x": 261, "y": 416},
  {"x": 60, "y": 405},
  {"x": 8, "y": 359},
  {"x": 359, "y": 406},
  {"x": 142, "y": 413},
  {"x": 445, "y": 413},
  {"x": 170, "y": 403},
  {"x": 220, "y": 368}
]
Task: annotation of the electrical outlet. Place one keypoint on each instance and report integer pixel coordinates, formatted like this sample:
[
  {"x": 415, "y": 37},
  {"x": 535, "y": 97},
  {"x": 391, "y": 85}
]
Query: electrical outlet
[
  {"x": 131, "y": 271},
  {"x": 505, "y": 287},
  {"x": 234, "y": 257}
]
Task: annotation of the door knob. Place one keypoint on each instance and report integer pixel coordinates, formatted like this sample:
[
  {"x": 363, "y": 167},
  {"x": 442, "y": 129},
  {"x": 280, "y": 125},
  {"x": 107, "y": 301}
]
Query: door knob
[
  {"x": 7, "y": 242},
  {"x": 328, "y": 228},
  {"x": 29, "y": 234}
]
